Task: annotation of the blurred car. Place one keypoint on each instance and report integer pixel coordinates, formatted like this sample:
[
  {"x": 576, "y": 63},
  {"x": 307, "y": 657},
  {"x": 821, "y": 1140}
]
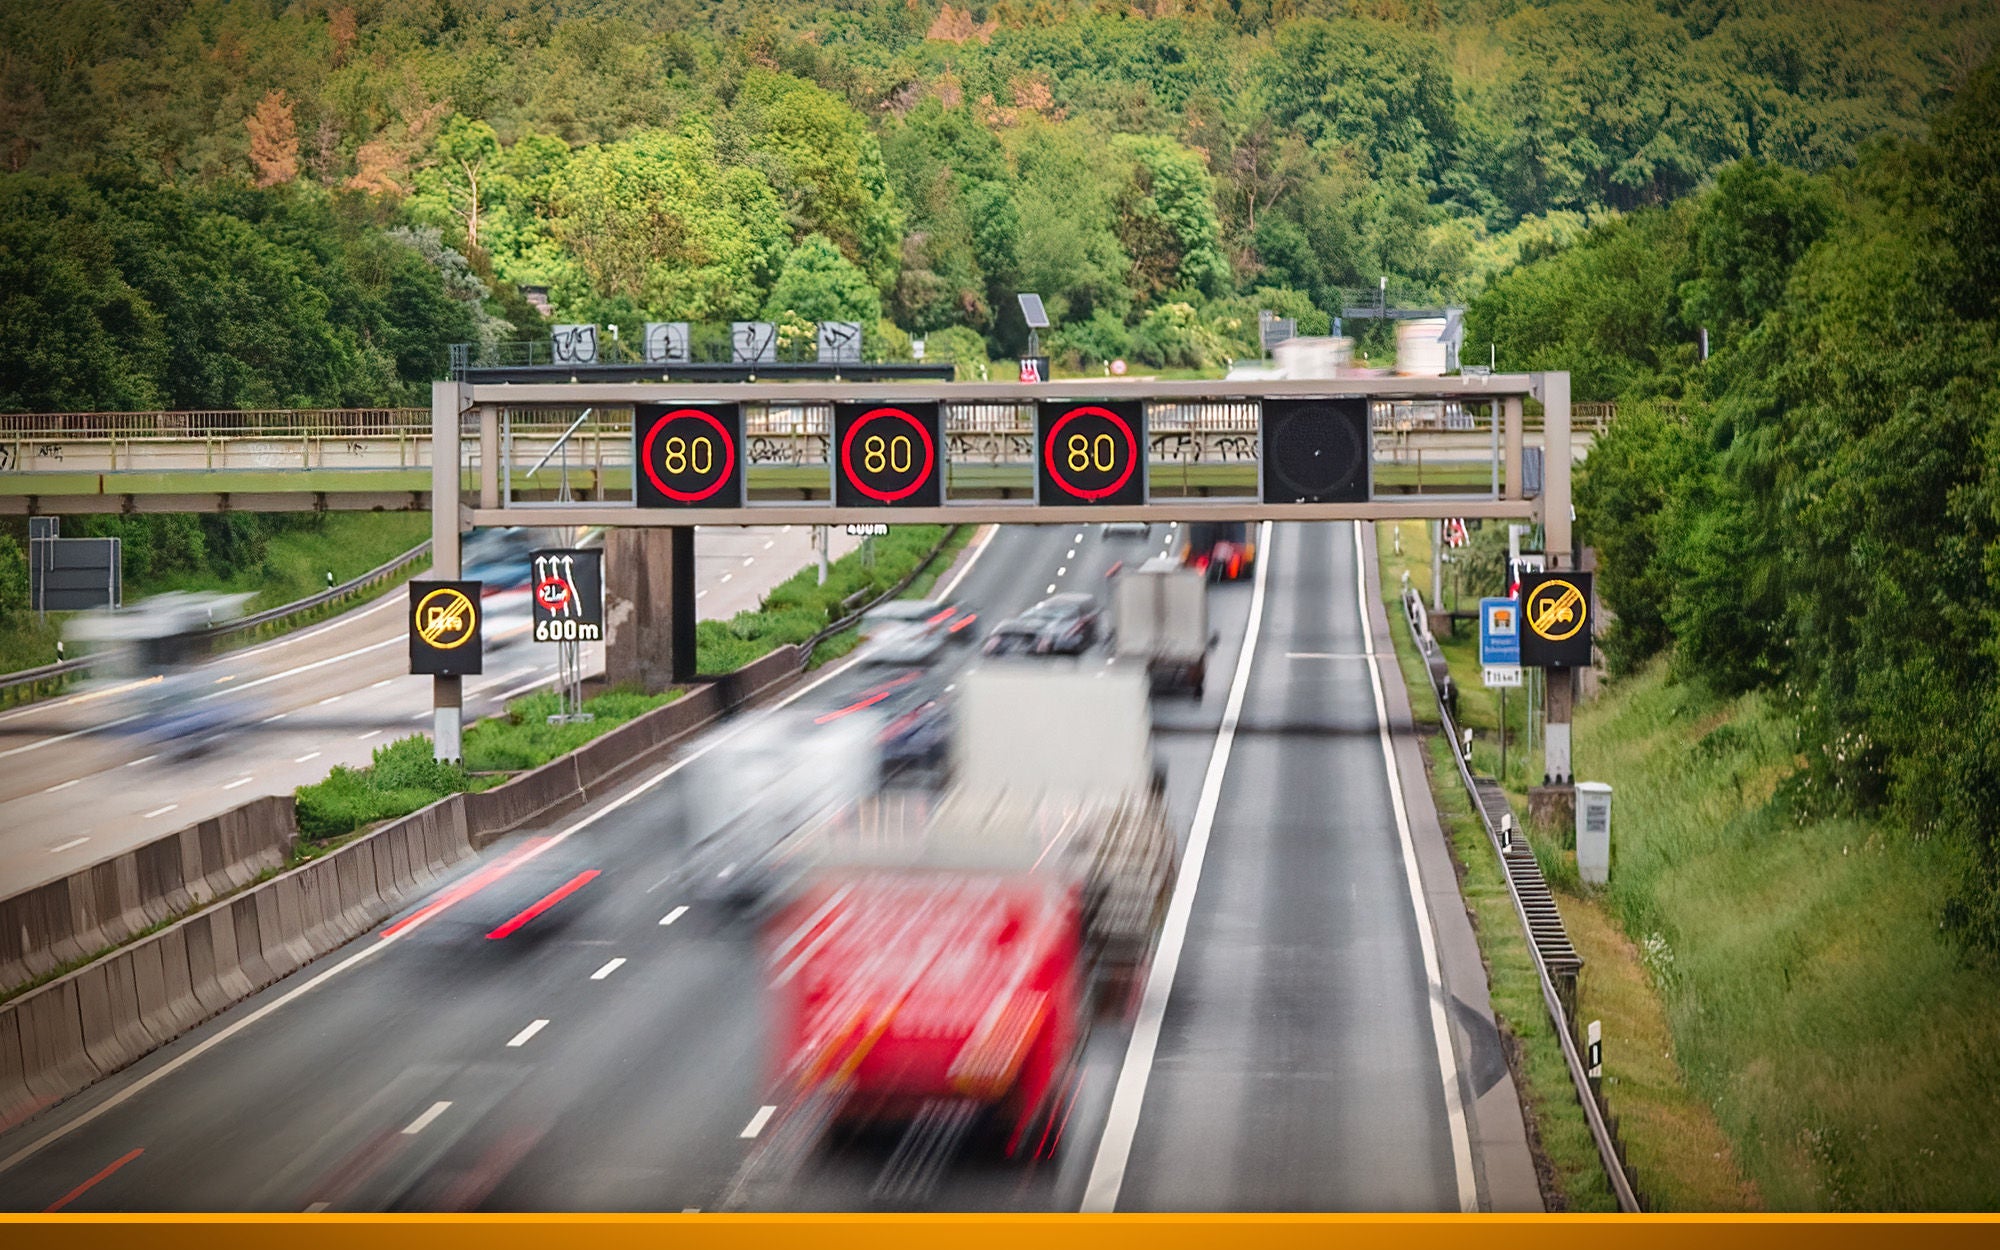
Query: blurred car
[
  {"x": 1124, "y": 529},
  {"x": 1060, "y": 624},
  {"x": 916, "y": 730},
  {"x": 912, "y": 631},
  {"x": 1220, "y": 550}
]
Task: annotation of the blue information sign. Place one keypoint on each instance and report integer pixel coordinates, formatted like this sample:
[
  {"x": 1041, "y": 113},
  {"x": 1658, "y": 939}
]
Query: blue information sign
[{"x": 1499, "y": 632}]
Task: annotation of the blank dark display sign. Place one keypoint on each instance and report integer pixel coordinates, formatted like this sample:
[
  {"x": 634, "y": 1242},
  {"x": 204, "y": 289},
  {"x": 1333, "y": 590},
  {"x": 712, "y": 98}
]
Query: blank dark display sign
[{"x": 1315, "y": 451}]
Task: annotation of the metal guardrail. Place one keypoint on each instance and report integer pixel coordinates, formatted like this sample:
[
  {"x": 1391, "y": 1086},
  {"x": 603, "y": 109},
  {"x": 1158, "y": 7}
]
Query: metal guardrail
[
  {"x": 1600, "y": 1129},
  {"x": 284, "y": 611},
  {"x": 215, "y": 423}
]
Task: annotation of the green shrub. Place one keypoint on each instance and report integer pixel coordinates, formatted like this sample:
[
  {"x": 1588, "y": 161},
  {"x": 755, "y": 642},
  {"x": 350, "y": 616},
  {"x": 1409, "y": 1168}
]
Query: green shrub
[{"x": 402, "y": 778}]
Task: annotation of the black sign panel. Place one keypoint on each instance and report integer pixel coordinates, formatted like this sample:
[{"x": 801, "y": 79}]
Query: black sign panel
[
  {"x": 1315, "y": 451},
  {"x": 888, "y": 455},
  {"x": 689, "y": 455},
  {"x": 568, "y": 600},
  {"x": 445, "y": 628},
  {"x": 1090, "y": 453},
  {"x": 1555, "y": 620}
]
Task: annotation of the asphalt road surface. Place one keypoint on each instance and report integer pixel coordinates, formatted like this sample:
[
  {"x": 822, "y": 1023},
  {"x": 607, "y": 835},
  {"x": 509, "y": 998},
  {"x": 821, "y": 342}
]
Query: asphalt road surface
[
  {"x": 76, "y": 787},
  {"x": 610, "y": 1052}
]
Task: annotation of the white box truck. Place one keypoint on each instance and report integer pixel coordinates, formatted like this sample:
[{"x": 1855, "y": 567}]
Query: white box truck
[{"x": 1160, "y": 619}]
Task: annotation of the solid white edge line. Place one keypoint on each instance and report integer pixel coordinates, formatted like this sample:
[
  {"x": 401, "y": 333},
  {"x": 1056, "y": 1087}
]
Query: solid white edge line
[
  {"x": 1121, "y": 1123},
  {"x": 534, "y": 1027},
  {"x": 610, "y": 967},
  {"x": 423, "y": 1121},
  {"x": 758, "y": 1121},
  {"x": 1461, "y": 1144},
  {"x": 222, "y": 1035}
]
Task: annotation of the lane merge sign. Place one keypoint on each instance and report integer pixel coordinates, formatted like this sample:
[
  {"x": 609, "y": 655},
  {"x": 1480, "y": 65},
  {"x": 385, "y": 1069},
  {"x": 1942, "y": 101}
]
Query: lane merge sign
[
  {"x": 568, "y": 600},
  {"x": 445, "y": 629},
  {"x": 1555, "y": 619},
  {"x": 1500, "y": 641}
]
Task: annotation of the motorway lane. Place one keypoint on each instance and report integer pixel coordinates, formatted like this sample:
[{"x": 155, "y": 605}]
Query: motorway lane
[
  {"x": 1296, "y": 1069},
  {"x": 1284, "y": 1079},
  {"x": 635, "y": 1095},
  {"x": 75, "y": 790}
]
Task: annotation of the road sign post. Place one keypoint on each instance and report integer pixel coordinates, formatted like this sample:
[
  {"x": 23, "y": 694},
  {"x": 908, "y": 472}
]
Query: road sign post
[{"x": 567, "y": 608}]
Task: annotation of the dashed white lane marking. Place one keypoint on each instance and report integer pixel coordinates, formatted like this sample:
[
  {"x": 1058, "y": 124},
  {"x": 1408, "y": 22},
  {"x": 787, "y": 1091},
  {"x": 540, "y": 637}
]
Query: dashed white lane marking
[
  {"x": 63, "y": 785},
  {"x": 770, "y": 543},
  {"x": 1062, "y": 569},
  {"x": 307, "y": 758},
  {"x": 1071, "y": 555},
  {"x": 701, "y": 594},
  {"x": 524, "y": 687},
  {"x": 365, "y": 737},
  {"x": 268, "y": 719},
  {"x": 1078, "y": 538},
  {"x": 609, "y": 968},
  {"x": 332, "y": 698},
  {"x": 315, "y": 1208},
  {"x": 70, "y": 845},
  {"x": 758, "y": 1121},
  {"x": 425, "y": 714},
  {"x": 1051, "y": 590},
  {"x": 385, "y": 681},
  {"x": 534, "y": 1027},
  {"x": 161, "y": 811},
  {"x": 748, "y": 561},
  {"x": 226, "y": 677},
  {"x": 240, "y": 781},
  {"x": 423, "y": 1121},
  {"x": 727, "y": 576},
  {"x": 144, "y": 759},
  {"x": 673, "y": 915},
  {"x": 1121, "y": 1122}
]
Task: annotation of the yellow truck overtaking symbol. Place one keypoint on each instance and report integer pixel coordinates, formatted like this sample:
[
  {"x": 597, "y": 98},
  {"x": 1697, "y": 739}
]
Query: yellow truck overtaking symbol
[{"x": 1555, "y": 610}]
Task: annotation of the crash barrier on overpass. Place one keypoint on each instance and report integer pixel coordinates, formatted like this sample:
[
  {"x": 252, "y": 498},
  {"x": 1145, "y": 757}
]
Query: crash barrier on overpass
[
  {"x": 1556, "y": 960},
  {"x": 50, "y": 676},
  {"x": 109, "y": 903},
  {"x": 59, "y": 1038}
]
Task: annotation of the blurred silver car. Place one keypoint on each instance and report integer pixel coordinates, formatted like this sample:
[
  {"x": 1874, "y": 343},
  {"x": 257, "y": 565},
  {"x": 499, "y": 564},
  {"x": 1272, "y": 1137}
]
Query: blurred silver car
[{"x": 913, "y": 631}]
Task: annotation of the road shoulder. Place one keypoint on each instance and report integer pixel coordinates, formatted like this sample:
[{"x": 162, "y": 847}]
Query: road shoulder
[{"x": 1502, "y": 1159}]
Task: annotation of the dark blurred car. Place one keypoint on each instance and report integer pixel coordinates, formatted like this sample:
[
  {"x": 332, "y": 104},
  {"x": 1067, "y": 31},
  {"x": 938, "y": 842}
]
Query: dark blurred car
[
  {"x": 1060, "y": 624},
  {"x": 916, "y": 730}
]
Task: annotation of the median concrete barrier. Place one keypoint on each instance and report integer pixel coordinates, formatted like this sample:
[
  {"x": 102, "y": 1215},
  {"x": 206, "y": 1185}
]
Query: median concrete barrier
[
  {"x": 216, "y": 976},
  {"x": 104, "y": 905},
  {"x": 54, "y": 1063},
  {"x": 17, "y": 1101},
  {"x": 107, "y": 998}
]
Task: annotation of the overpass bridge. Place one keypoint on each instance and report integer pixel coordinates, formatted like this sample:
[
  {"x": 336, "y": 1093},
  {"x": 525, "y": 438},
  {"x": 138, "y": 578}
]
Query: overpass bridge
[{"x": 379, "y": 459}]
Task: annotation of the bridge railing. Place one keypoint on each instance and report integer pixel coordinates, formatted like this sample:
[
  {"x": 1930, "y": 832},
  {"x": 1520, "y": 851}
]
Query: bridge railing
[{"x": 218, "y": 423}]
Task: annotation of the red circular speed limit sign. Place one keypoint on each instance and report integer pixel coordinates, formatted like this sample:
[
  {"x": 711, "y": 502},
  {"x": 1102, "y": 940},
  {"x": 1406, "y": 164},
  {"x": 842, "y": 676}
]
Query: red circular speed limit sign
[
  {"x": 553, "y": 593},
  {"x": 1092, "y": 453},
  {"x": 688, "y": 456},
  {"x": 888, "y": 455}
]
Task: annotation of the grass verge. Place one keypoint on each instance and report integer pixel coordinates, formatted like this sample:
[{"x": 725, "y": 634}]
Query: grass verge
[
  {"x": 799, "y": 607},
  {"x": 1850, "y": 1051}
]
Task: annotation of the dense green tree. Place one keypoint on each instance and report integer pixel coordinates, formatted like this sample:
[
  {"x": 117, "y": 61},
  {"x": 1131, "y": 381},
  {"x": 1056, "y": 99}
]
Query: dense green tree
[{"x": 817, "y": 283}]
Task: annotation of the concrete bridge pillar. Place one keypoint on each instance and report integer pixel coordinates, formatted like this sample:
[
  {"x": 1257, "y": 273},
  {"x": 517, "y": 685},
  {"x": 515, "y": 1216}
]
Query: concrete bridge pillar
[{"x": 649, "y": 614}]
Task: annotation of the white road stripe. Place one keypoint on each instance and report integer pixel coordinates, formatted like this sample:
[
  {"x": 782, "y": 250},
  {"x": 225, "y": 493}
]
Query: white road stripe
[
  {"x": 758, "y": 1121},
  {"x": 161, "y": 811},
  {"x": 727, "y": 576},
  {"x": 70, "y": 845},
  {"x": 534, "y": 1027},
  {"x": 1051, "y": 590},
  {"x": 770, "y": 543},
  {"x": 315, "y": 1208},
  {"x": 1461, "y": 1143},
  {"x": 307, "y": 758},
  {"x": 1062, "y": 570},
  {"x": 385, "y": 681},
  {"x": 423, "y": 1121},
  {"x": 144, "y": 759},
  {"x": 63, "y": 785},
  {"x": 748, "y": 561},
  {"x": 365, "y": 737},
  {"x": 240, "y": 781},
  {"x": 609, "y": 968},
  {"x": 673, "y": 915},
  {"x": 524, "y": 687},
  {"x": 1121, "y": 1125},
  {"x": 280, "y": 716},
  {"x": 1071, "y": 555},
  {"x": 332, "y": 698},
  {"x": 140, "y": 1085}
]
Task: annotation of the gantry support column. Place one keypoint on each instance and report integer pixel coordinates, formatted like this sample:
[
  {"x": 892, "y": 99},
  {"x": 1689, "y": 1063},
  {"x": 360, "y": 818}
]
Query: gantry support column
[
  {"x": 1558, "y": 770},
  {"x": 649, "y": 615}
]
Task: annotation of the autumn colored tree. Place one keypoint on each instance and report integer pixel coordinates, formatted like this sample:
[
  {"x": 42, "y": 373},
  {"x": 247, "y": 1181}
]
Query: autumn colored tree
[{"x": 274, "y": 139}]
